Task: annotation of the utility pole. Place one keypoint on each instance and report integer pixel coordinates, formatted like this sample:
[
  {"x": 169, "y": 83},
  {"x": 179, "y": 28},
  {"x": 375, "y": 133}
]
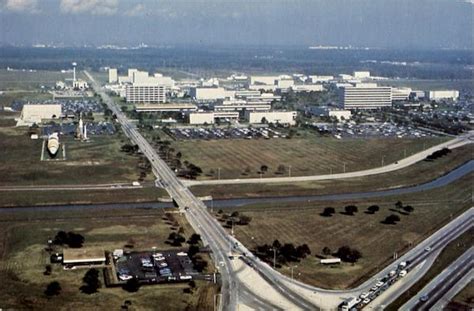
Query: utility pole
[
  {"x": 289, "y": 171},
  {"x": 218, "y": 173},
  {"x": 344, "y": 166},
  {"x": 383, "y": 157},
  {"x": 274, "y": 257},
  {"x": 292, "y": 270}
]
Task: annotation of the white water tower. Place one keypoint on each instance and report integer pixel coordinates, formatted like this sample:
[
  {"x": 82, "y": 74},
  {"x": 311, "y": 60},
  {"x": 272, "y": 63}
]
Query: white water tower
[{"x": 74, "y": 72}]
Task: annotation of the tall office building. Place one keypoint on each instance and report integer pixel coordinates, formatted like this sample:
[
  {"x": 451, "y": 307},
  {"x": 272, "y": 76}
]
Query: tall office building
[
  {"x": 113, "y": 77},
  {"x": 366, "y": 96},
  {"x": 145, "y": 93}
]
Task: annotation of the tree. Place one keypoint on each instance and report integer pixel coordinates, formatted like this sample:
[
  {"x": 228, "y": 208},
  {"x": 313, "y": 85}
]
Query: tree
[
  {"x": 48, "y": 269},
  {"x": 263, "y": 168},
  {"x": 92, "y": 282},
  {"x": 244, "y": 220},
  {"x": 194, "y": 239},
  {"x": 408, "y": 208},
  {"x": 53, "y": 289},
  {"x": 281, "y": 169},
  {"x": 326, "y": 251},
  {"x": 303, "y": 250},
  {"x": 71, "y": 239},
  {"x": 351, "y": 209},
  {"x": 276, "y": 244},
  {"x": 234, "y": 214},
  {"x": 347, "y": 254},
  {"x": 373, "y": 209},
  {"x": 132, "y": 285},
  {"x": 391, "y": 220},
  {"x": 399, "y": 204},
  {"x": 328, "y": 212},
  {"x": 193, "y": 250}
]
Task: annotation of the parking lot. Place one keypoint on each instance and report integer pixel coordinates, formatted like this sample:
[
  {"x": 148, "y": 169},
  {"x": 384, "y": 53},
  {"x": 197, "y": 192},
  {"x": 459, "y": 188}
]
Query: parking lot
[
  {"x": 69, "y": 106},
  {"x": 155, "y": 266},
  {"x": 225, "y": 133},
  {"x": 371, "y": 130},
  {"x": 69, "y": 129}
]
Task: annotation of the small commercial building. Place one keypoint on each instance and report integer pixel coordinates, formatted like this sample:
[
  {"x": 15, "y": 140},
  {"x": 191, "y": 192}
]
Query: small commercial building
[
  {"x": 361, "y": 74},
  {"x": 442, "y": 95},
  {"x": 280, "y": 117},
  {"x": 113, "y": 76},
  {"x": 83, "y": 256},
  {"x": 307, "y": 88},
  {"x": 172, "y": 107},
  {"x": 209, "y": 117},
  {"x": 324, "y": 111}
]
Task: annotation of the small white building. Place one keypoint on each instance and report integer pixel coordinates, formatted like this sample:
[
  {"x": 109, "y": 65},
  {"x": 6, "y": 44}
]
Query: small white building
[
  {"x": 400, "y": 93},
  {"x": 307, "y": 88},
  {"x": 442, "y": 95},
  {"x": 280, "y": 117},
  {"x": 210, "y": 93},
  {"x": 320, "y": 79},
  {"x": 113, "y": 76},
  {"x": 361, "y": 74},
  {"x": 324, "y": 111}
]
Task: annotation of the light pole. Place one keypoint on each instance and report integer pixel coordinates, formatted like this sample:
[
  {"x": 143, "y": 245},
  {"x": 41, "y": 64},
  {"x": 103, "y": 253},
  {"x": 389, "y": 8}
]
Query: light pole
[
  {"x": 212, "y": 205},
  {"x": 274, "y": 257},
  {"x": 344, "y": 166},
  {"x": 292, "y": 270},
  {"x": 218, "y": 173},
  {"x": 289, "y": 171},
  {"x": 383, "y": 157}
]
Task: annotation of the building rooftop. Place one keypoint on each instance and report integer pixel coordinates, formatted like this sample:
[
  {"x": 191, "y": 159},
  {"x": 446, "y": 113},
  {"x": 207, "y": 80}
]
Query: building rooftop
[{"x": 77, "y": 255}]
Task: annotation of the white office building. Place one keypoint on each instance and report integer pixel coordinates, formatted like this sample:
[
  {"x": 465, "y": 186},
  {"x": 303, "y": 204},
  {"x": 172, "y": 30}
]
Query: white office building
[
  {"x": 113, "y": 76},
  {"x": 401, "y": 93},
  {"x": 361, "y": 74},
  {"x": 442, "y": 95},
  {"x": 324, "y": 111},
  {"x": 280, "y": 117},
  {"x": 205, "y": 117},
  {"x": 366, "y": 96},
  {"x": 145, "y": 94},
  {"x": 307, "y": 88},
  {"x": 210, "y": 93},
  {"x": 320, "y": 79}
]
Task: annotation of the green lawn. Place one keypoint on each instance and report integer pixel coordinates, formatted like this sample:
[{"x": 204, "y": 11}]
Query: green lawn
[{"x": 307, "y": 154}]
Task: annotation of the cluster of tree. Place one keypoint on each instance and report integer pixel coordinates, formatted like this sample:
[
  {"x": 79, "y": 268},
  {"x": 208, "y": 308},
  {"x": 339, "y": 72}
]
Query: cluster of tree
[
  {"x": 328, "y": 212},
  {"x": 347, "y": 254},
  {"x": 53, "y": 289},
  {"x": 404, "y": 209},
  {"x": 350, "y": 210},
  {"x": 391, "y": 220},
  {"x": 372, "y": 209},
  {"x": 438, "y": 154},
  {"x": 91, "y": 282},
  {"x": 236, "y": 218},
  {"x": 194, "y": 239},
  {"x": 129, "y": 148},
  {"x": 282, "y": 253},
  {"x": 132, "y": 285},
  {"x": 199, "y": 264},
  {"x": 71, "y": 239},
  {"x": 176, "y": 239},
  {"x": 144, "y": 167}
]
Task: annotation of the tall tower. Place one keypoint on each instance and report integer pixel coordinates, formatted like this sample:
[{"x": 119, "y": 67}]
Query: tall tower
[{"x": 74, "y": 72}]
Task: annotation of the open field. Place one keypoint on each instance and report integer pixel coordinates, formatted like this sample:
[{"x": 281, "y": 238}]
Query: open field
[
  {"x": 307, "y": 154},
  {"x": 300, "y": 223},
  {"x": 464, "y": 300},
  {"x": 23, "y": 259},
  {"x": 420, "y": 172},
  {"x": 54, "y": 197},
  {"x": 94, "y": 162},
  {"x": 453, "y": 251},
  {"x": 25, "y": 80}
]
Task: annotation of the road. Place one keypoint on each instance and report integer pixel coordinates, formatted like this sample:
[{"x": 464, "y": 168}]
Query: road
[
  {"x": 248, "y": 280},
  {"x": 433, "y": 292},
  {"x": 403, "y": 163},
  {"x": 112, "y": 186}
]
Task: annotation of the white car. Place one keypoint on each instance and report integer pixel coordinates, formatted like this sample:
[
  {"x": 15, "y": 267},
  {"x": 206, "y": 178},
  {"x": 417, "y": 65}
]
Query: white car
[
  {"x": 428, "y": 249},
  {"x": 125, "y": 277},
  {"x": 366, "y": 301}
]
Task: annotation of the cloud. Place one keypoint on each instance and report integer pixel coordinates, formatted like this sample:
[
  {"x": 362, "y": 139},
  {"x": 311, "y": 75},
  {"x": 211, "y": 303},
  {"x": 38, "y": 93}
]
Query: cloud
[
  {"x": 28, "y": 6},
  {"x": 95, "y": 7},
  {"x": 137, "y": 10}
]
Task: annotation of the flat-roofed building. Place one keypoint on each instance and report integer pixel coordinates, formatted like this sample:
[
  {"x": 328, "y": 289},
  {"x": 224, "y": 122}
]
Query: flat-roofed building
[
  {"x": 280, "y": 117},
  {"x": 366, "y": 96},
  {"x": 340, "y": 114},
  {"x": 210, "y": 93},
  {"x": 113, "y": 76},
  {"x": 307, "y": 88},
  {"x": 242, "y": 105},
  {"x": 171, "y": 107},
  {"x": 401, "y": 93},
  {"x": 209, "y": 117},
  {"x": 361, "y": 74},
  {"x": 83, "y": 256},
  {"x": 320, "y": 79},
  {"x": 145, "y": 94},
  {"x": 37, "y": 113},
  {"x": 442, "y": 94}
]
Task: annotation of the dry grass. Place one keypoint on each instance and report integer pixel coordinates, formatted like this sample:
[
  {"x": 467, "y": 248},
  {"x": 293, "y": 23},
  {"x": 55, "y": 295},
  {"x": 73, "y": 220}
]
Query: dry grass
[
  {"x": 420, "y": 172},
  {"x": 299, "y": 223},
  {"x": 307, "y": 155}
]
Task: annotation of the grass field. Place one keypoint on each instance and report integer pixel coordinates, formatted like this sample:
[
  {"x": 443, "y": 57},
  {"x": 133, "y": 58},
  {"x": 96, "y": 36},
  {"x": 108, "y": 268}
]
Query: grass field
[
  {"x": 299, "y": 223},
  {"x": 23, "y": 259},
  {"x": 454, "y": 250},
  {"x": 307, "y": 154},
  {"x": 24, "y": 80},
  {"x": 420, "y": 172},
  {"x": 94, "y": 162}
]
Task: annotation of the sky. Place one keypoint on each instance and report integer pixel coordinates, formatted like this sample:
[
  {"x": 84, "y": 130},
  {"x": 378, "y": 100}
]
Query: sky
[{"x": 404, "y": 24}]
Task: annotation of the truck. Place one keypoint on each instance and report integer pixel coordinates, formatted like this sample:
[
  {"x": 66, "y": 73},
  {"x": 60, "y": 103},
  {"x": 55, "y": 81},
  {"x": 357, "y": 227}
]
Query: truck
[{"x": 349, "y": 303}]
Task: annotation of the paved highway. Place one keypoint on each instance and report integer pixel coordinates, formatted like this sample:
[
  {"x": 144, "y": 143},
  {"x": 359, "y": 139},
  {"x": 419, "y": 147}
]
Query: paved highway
[
  {"x": 432, "y": 293},
  {"x": 256, "y": 278}
]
